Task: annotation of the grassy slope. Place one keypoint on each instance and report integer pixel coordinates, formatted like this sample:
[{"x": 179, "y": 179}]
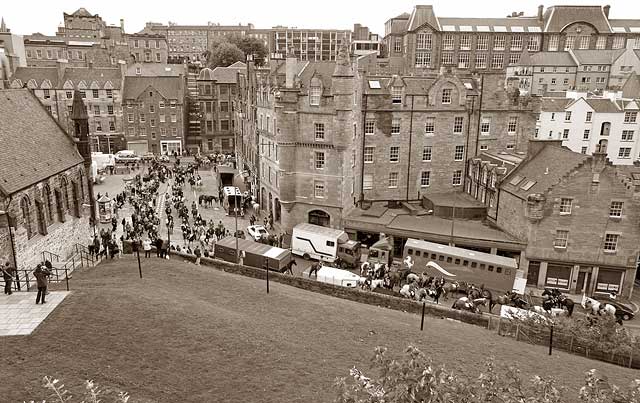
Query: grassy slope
[{"x": 193, "y": 334}]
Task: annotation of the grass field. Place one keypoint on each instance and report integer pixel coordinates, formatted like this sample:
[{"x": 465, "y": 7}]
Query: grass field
[{"x": 195, "y": 334}]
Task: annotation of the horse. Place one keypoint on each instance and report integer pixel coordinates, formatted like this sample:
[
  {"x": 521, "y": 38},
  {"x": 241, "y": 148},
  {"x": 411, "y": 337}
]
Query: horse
[
  {"x": 508, "y": 299},
  {"x": 467, "y": 304},
  {"x": 452, "y": 288},
  {"x": 435, "y": 292},
  {"x": 597, "y": 307},
  {"x": 364, "y": 269},
  {"x": 475, "y": 292},
  {"x": 408, "y": 291},
  {"x": 556, "y": 299},
  {"x": 413, "y": 278}
]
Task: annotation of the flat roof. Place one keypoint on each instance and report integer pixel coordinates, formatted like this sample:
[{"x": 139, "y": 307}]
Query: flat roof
[
  {"x": 463, "y": 253},
  {"x": 336, "y": 233},
  {"x": 257, "y": 248}
]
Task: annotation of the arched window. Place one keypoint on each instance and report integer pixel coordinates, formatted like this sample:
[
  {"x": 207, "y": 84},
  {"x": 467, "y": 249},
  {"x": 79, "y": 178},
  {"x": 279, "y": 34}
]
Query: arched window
[
  {"x": 319, "y": 217},
  {"x": 25, "y": 206},
  {"x": 315, "y": 91},
  {"x": 59, "y": 205},
  {"x": 40, "y": 216},
  {"x": 48, "y": 203},
  {"x": 64, "y": 187},
  {"x": 81, "y": 184},
  {"x": 76, "y": 200}
]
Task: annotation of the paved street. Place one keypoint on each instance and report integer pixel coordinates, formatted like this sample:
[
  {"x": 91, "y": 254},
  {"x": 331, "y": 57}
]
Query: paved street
[{"x": 20, "y": 314}]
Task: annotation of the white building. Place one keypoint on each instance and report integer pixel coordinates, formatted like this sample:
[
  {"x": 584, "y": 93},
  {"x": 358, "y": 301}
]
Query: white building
[{"x": 589, "y": 124}]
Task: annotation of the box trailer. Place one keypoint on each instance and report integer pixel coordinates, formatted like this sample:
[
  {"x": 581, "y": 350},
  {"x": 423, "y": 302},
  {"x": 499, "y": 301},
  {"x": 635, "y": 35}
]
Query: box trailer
[
  {"x": 335, "y": 276},
  {"x": 326, "y": 244},
  {"x": 255, "y": 254}
]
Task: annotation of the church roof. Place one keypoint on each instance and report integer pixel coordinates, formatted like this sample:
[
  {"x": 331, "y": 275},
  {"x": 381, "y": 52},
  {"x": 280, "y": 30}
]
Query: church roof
[{"x": 34, "y": 146}]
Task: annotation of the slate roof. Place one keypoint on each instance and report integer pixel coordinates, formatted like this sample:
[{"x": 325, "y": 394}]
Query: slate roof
[
  {"x": 422, "y": 15},
  {"x": 101, "y": 75},
  {"x": 81, "y": 12},
  {"x": 625, "y": 25},
  {"x": 556, "y": 18},
  {"x": 156, "y": 70},
  {"x": 34, "y": 146},
  {"x": 168, "y": 87},
  {"x": 631, "y": 87},
  {"x": 597, "y": 56},
  {"x": 603, "y": 105},
  {"x": 461, "y": 24},
  {"x": 554, "y": 104},
  {"x": 226, "y": 75},
  {"x": 322, "y": 70},
  {"x": 545, "y": 169},
  {"x": 552, "y": 59}
]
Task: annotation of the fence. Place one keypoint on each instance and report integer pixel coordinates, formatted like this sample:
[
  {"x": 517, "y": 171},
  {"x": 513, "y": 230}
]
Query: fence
[{"x": 565, "y": 342}]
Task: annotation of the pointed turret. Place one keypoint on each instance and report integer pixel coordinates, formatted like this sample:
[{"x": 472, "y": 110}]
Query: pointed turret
[
  {"x": 3, "y": 26},
  {"x": 78, "y": 110},
  {"x": 81, "y": 134},
  {"x": 343, "y": 62}
]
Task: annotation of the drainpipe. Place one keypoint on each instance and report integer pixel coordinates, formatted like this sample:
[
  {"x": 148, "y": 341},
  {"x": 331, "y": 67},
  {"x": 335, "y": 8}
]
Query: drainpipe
[
  {"x": 410, "y": 139},
  {"x": 364, "y": 119},
  {"x": 479, "y": 113}
]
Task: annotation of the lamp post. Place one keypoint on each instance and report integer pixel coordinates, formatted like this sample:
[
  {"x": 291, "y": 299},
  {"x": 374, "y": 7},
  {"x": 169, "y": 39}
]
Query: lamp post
[
  {"x": 13, "y": 248},
  {"x": 235, "y": 234},
  {"x": 168, "y": 241}
]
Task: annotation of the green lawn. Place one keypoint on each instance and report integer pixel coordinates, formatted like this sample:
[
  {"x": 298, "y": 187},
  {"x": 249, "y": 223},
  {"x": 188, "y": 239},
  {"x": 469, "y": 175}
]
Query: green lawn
[{"x": 196, "y": 334}]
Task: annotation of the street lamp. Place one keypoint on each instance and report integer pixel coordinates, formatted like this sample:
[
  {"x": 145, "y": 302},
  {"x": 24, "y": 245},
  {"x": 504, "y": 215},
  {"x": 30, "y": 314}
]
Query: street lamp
[
  {"x": 235, "y": 234},
  {"x": 13, "y": 248}
]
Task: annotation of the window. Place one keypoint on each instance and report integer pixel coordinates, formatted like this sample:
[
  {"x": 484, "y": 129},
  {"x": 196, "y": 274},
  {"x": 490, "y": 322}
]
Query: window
[
  {"x": 458, "y": 123},
  {"x": 553, "y": 81},
  {"x": 396, "y": 95},
  {"x": 319, "y": 131},
  {"x": 46, "y": 94},
  {"x": 152, "y": 122},
  {"x": 83, "y": 94},
  {"x": 96, "y": 110},
  {"x": 424, "y": 41},
  {"x": 627, "y": 135},
  {"x": 514, "y": 58},
  {"x": 112, "y": 126},
  {"x": 565, "y": 134},
  {"x": 497, "y": 61},
  {"x": 457, "y": 178},
  {"x": 174, "y": 132},
  {"x": 465, "y": 42},
  {"x": 94, "y": 93},
  {"x": 584, "y": 150},
  {"x": 589, "y": 117},
  {"x": 130, "y": 117},
  {"x": 172, "y": 104},
  {"x": 459, "y": 153},
  {"x": 318, "y": 187},
  {"x": 25, "y": 207},
  {"x": 534, "y": 44},
  {"x": 484, "y": 147},
  {"x": 611, "y": 242},
  {"x": 368, "y": 155},
  {"x": 319, "y": 160},
  {"x": 425, "y": 179},
  {"x": 586, "y": 134},
  {"x": 569, "y": 42},
  {"x": 463, "y": 60},
  {"x": 367, "y": 182},
  {"x": 630, "y": 117},
  {"x": 110, "y": 109},
  {"x": 481, "y": 60},
  {"x": 615, "y": 210},
  {"x": 447, "y": 57},
  {"x": 174, "y": 119},
  {"x": 98, "y": 126},
  {"x": 516, "y": 42},
  {"x": 393, "y": 179},
  {"x": 394, "y": 154},
  {"x": 369, "y": 126},
  {"x": 485, "y": 126},
  {"x": 143, "y": 131},
  {"x": 510, "y": 146},
  {"x": 224, "y": 106},
  {"x": 624, "y": 152},
  {"x": 423, "y": 59},
  {"x": 565, "y": 205},
  {"x": 512, "y": 127},
  {"x": 397, "y": 45},
  {"x": 601, "y": 43},
  {"x": 618, "y": 42},
  {"x": 584, "y": 42},
  {"x": 69, "y": 94},
  {"x": 483, "y": 42},
  {"x": 426, "y": 153},
  {"x": 562, "y": 237},
  {"x": 162, "y": 118},
  {"x": 553, "y": 116},
  {"x": 499, "y": 42},
  {"x": 314, "y": 95},
  {"x": 447, "y": 42},
  {"x": 152, "y": 109},
  {"x": 430, "y": 125},
  {"x": 224, "y": 123},
  {"x": 567, "y": 116},
  {"x": 395, "y": 126},
  {"x": 143, "y": 118},
  {"x": 161, "y": 104},
  {"x": 446, "y": 96},
  {"x": 158, "y": 57}
]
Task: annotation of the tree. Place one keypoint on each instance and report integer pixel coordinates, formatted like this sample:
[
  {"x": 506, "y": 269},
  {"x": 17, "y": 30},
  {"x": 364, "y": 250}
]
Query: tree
[
  {"x": 415, "y": 378},
  {"x": 251, "y": 46},
  {"x": 224, "y": 55}
]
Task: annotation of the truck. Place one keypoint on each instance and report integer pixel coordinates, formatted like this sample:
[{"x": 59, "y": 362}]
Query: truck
[
  {"x": 255, "y": 254},
  {"x": 325, "y": 244}
]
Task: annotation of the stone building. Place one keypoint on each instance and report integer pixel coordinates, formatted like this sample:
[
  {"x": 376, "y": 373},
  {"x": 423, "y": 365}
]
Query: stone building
[
  {"x": 308, "y": 44},
  {"x": 43, "y": 186},
  {"x": 578, "y": 215},
  {"x": 101, "y": 89},
  {"x": 217, "y": 89},
  {"x": 12, "y": 48},
  {"x": 147, "y": 46},
  {"x": 422, "y": 41},
  {"x": 544, "y": 72},
  {"x": 154, "y": 114}
]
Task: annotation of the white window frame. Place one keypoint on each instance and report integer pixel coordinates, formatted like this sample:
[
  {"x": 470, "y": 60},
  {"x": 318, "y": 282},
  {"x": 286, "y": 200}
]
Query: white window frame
[
  {"x": 611, "y": 239},
  {"x": 458, "y": 154},
  {"x": 425, "y": 179},
  {"x": 430, "y": 126},
  {"x": 615, "y": 209},
  {"x": 394, "y": 154},
  {"x": 427, "y": 153},
  {"x": 456, "y": 180},
  {"x": 446, "y": 96},
  {"x": 319, "y": 189},
  {"x": 369, "y": 154},
  {"x": 566, "y": 205},
  {"x": 561, "y": 239},
  {"x": 319, "y": 160},
  {"x": 318, "y": 131},
  {"x": 393, "y": 180}
]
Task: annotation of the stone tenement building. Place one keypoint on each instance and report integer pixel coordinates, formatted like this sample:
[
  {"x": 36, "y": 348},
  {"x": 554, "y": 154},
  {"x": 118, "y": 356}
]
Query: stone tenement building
[
  {"x": 100, "y": 87},
  {"x": 148, "y": 47},
  {"x": 419, "y": 131},
  {"x": 422, "y": 41},
  {"x": 578, "y": 215},
  {"x": 154, "y": 114},
  {"x": 43, "y": 186}
]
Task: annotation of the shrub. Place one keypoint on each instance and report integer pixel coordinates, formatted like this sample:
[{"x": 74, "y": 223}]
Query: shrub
[{"x": 93, "y": 394}]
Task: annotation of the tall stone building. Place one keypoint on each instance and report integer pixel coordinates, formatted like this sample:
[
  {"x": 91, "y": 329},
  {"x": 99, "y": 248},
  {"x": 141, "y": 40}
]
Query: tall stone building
[
  {"x": 11, "y": 48},
  {"x": 43, "y": 187},
  {"x": 101, "y": 89}
]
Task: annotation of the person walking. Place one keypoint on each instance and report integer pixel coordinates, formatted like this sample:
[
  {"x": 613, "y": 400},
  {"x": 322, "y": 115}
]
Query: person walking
[
  {"x": 163, "y": 249},
  {"x": 198, "y": 254},
  {"x": 158, "y": 244},
  {"x": 146, "y": 246},
  {"x": 42, "y": 278},
  {"x": 8, "y": 273}
]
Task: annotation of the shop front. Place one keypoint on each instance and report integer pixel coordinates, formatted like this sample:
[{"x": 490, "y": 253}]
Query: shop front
[
  {"x": 169, "y": 147},
  {"x": 558, "y": 276}
]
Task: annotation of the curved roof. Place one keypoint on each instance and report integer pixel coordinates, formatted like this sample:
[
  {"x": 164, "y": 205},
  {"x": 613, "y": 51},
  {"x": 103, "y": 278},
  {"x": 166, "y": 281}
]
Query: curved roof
[{"x": 206, "y": 74}]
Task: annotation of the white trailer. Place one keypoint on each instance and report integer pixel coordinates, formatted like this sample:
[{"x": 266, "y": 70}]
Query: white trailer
[
  {"x": 332, "y": 275},
  {"x": 316, "y": 242}
]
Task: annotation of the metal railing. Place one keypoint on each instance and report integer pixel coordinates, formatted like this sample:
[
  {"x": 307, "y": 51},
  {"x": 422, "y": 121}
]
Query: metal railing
[{"x": 50, "y": 256}]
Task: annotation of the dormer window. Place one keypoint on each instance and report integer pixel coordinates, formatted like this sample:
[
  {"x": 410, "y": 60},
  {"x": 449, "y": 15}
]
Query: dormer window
[
  {"x": 396, "y": 95},
  {"x": 446, "y": 96},
  {"x": 314, "y": 95}
]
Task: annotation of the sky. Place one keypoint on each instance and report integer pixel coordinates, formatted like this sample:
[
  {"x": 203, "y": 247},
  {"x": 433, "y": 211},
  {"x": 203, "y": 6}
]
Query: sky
[{"x": 29, "y": 16}]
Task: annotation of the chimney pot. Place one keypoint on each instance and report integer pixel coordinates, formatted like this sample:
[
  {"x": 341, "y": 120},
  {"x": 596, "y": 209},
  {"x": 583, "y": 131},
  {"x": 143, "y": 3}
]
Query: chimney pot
[
  {"x": 540, "y": 12},
  {"x": 606, "y": 10}
]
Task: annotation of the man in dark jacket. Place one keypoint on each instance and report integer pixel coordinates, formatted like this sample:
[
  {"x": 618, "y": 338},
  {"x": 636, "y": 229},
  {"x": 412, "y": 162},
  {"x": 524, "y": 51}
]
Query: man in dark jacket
[
  {"x": 42, "y": 277},
  {"x": 7, "y": 274},
  {"x": 158, "y": 244},
  {"x": 198, "y": 254}
]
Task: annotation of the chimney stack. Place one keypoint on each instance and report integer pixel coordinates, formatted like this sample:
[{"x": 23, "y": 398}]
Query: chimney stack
[
  {"x": 606, "y": 10},
  {"x": 290, "y": 68},
  {"x": 61, "y": 65},
  {"x": 540, "y": 12},
  {"x": 122, "y": 24}
]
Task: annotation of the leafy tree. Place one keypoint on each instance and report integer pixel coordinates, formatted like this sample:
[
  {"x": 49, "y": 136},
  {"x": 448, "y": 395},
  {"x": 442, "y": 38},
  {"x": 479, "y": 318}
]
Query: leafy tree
[
  {"x": 415, "y": 378},
  {"x": 251, "y": 46},
  {"x": 224, "y": 55}
]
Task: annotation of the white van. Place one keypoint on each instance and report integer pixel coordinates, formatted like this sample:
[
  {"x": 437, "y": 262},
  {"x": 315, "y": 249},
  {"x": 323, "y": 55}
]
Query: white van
[
  {"x": 102, "y": 160},
  {"x": 332, "y": 275}
]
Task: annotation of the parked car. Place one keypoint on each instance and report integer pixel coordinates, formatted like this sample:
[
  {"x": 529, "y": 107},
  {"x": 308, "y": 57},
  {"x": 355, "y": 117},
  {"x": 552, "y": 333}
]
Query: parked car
[
  {"x": 148, "y": 157},
  {"x": 257, "y": 232},
  {"x": 622, "y": 311},
  {"x": 124, "y": 156}
]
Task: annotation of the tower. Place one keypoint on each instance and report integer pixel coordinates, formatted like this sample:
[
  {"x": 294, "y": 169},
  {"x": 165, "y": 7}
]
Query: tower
[{"x": 81, "y": 135}]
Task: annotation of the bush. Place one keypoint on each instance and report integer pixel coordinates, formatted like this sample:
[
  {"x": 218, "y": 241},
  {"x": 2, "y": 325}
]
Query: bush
[
  {"x": 415, "y": 378},
  {"x": 93, "y": 394}
]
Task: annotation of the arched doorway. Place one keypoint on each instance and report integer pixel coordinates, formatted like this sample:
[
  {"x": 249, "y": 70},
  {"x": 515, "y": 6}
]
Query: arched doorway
[
  {"x": 319, "y": 217},
  {"x": 602, "y": 146},
  {"x": 276, "y": 209}
]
